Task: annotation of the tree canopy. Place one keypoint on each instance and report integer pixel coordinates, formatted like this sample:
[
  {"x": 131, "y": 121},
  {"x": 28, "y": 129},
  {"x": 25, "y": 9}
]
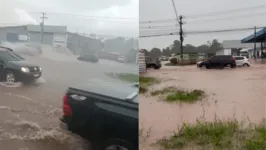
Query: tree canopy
[{"x": 210, "y": 48}]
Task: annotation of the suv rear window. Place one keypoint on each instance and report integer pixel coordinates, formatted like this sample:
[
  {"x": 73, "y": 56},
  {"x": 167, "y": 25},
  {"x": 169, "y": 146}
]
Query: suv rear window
[{"x": 239, "y": 58}]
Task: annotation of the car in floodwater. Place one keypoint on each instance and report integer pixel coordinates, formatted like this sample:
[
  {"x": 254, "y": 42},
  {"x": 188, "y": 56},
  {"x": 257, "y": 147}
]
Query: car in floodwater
[
  {"x": 154, "y": 63},
  {"x": 121, "y": 59},
  {"x": 89, "y": 58},
  {"x": 218, "y": 61},
  {"x": 14, "y": 68},
  {"x": 106, "y": 114}
]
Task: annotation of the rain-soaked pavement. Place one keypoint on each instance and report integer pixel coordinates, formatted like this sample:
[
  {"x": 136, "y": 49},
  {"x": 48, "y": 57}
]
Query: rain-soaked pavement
[
  {"x": 30, "y": 113},
  {"x": 231, "y": 94}
]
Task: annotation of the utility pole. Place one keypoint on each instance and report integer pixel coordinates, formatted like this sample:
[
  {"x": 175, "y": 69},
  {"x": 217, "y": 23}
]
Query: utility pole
[
  {"x": 255, "y": 46},
  {"x": 43, "y": 17},
  {"x": 180, "y": 22},
  {"x": 181, "y": 33}
]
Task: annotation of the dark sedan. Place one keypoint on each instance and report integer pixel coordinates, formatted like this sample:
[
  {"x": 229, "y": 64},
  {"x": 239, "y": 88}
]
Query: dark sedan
[{"x": 14, "y": 68}]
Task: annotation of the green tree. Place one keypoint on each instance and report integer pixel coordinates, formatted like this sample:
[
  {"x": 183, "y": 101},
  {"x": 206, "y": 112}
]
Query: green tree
[
  {"x": 146, "y": 52},
  {"x": 155, "y": 52},
  {"x": 189, "y": 49},
  {"x": 215, "y": 46},
  {"x": 203, "y": 48},
  {"x": 166, "y": 51},
  {"x": 175, "y": 47}
]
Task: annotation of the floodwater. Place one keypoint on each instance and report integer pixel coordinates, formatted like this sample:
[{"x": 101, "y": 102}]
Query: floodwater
[
  {"x": 230, "y": 94},
  {"x": 30, "y": 113}
]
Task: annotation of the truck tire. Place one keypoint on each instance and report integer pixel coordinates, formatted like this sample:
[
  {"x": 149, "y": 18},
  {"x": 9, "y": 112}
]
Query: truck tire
[{"x": 112, "y": 144}]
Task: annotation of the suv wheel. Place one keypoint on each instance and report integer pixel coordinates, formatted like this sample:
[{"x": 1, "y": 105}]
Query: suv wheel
[
  {"x": 10, "y": 77},
  {"x": 246, "y": 65},
  {"x": 203, "y": 66}
]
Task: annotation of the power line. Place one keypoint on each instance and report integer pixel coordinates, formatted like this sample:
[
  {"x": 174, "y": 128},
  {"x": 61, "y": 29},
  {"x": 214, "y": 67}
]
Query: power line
[
  {"x": 156, "y": 27},
  {"x": 202, "y": 32},
  {"x": 208, "y": 14},
  {"x": 244, "y": 16},
  {"x": 86, "y": 16},
  {"x": 252, "y": 8},
  {"x": 157, "y": 21},
  {"x": 223, "y": 30}
]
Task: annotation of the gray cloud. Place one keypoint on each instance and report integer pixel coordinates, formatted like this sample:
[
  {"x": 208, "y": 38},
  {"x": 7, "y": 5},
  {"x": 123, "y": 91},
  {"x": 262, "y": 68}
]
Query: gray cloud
[{"x": 57, "y": 13}]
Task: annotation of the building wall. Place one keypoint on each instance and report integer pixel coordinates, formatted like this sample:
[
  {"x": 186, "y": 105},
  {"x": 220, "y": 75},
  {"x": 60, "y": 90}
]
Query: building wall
[
  {"x": 224, "y": 52},
  {"x": 59, "y": 40},
  {"x": 142, "y": 62},
  {"x": 35, "y": 37},
  {"x": 19, "y": 31},
  {"x": 237, "y": 44},
  {"x": 80, "y": 44},
  {"x": 22, "y": 34}
]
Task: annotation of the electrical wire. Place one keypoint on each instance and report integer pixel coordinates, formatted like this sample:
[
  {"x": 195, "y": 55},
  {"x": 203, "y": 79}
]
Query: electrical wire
[
  {"x": 158, "y": 27},
  {"x": 202, "y": 32},
  {"x": 243, "y": 16},
  {"x": 252, "y": 8},
  {"x": 85, "y": 16},
  {"x": 207, "y": 14},
  {"x": 228, "y": 18}
]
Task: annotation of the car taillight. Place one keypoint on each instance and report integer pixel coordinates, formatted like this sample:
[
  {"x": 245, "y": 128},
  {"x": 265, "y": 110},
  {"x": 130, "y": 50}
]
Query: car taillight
[
  {"x": 234, "y": 58},
  {"x": 67, "y": 111}
]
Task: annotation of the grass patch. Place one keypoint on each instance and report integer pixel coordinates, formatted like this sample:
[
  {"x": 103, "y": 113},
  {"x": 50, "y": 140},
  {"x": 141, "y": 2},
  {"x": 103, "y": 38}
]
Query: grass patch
[
  {"x": 172, "y": 94},
  {"x": 142, "y": 89},
  {"x": 217, "y": 135},
  {"x": 185, "y": 96},
  {"x": 145, "y": 82},
  {"x": 128, "y": 77},
  {"x": 163, "y": 91}
]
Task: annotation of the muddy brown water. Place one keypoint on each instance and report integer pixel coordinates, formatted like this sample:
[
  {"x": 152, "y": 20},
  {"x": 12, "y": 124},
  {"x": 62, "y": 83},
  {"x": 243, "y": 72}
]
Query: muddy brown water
[
  {"x": 30, "y": 113},
  {"x": 231, "y": 94}
]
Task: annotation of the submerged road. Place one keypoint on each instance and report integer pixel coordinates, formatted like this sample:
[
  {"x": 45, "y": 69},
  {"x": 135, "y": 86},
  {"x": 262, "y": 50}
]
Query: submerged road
[{"x": 29, "y": 113}]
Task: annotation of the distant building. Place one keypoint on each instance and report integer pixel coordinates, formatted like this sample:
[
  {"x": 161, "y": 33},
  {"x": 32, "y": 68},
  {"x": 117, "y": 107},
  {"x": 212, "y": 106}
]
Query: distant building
[
  {"x": 82, "y": 44},
  {"x": 236, "y": 47},
  {"x": 236, "y": 44},
  {"x": 52, "y": 35}
]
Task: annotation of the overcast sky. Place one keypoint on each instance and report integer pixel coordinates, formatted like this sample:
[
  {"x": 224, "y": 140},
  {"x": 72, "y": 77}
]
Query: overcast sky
[
  {"x": 15, "y": 12},
  {"x": 163, "y": 10}
]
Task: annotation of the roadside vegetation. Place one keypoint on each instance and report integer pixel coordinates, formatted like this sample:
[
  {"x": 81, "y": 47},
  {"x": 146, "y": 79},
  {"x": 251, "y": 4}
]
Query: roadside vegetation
[
  {"x": 172, "y": 94},
  {"x": 127, "y": 77},
  {"x": 217, "y": 135},
  {"x": 145, "y": 82}
]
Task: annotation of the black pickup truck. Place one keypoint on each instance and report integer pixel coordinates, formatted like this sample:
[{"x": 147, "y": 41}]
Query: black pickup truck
[{"x": 106, "y": 114}]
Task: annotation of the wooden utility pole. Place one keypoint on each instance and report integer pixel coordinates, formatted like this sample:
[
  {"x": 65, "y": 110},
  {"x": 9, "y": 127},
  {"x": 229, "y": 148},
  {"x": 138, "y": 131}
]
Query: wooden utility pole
[
  {"x": 43, "y": 17},
  {"x": 179, "y": 20},
  {"x": 255, "y": 46},
  {"x": 181, "y": 33}
]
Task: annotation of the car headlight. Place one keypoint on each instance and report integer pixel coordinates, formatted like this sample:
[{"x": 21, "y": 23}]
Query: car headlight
[
  {"x": 25, "y": 69},
  {"x": 40, "y": 68}
]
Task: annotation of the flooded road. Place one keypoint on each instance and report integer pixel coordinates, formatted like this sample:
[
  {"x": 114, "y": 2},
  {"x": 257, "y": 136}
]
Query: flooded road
[
  {"x": 231, "y": 94},
  {"x": 30, "y": 113}
]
